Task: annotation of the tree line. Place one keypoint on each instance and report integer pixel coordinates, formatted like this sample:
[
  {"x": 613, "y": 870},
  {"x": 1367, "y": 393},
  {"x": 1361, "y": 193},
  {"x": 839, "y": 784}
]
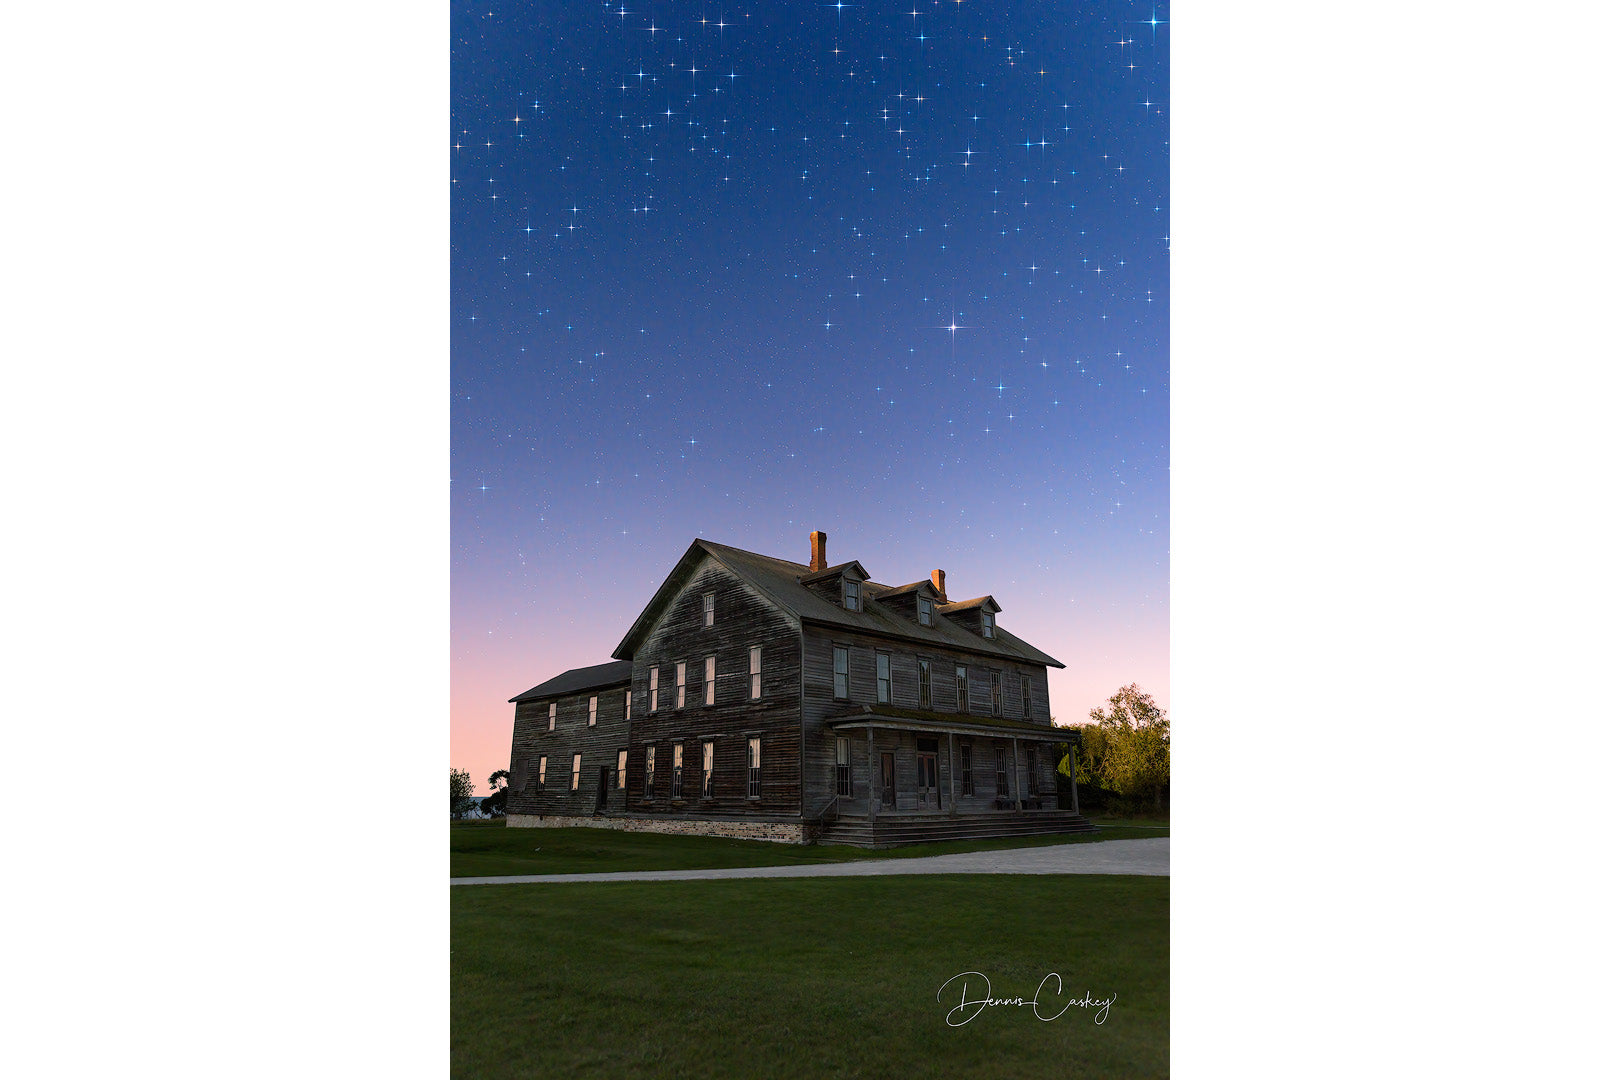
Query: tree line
[
  {"x": 1124, "y": 756},
  {"x": 462, "y": 802}
]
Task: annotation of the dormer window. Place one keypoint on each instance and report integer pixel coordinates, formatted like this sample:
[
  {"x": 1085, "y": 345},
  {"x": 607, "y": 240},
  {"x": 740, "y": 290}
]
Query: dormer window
[
  {"x": 852, "y": 594},
  {"x": 987, "y": 623},
  {"x": 925, "y": 611}
]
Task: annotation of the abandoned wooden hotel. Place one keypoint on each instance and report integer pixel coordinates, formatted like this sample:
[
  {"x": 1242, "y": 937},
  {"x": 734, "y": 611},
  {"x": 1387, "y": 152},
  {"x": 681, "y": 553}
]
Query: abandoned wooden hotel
[{"x": 763, "y": 698}]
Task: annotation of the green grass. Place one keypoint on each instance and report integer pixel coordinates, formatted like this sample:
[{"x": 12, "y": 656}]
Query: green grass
[
  {"x": 489, "y": 849},
  {"x": 822, "y": 977}
]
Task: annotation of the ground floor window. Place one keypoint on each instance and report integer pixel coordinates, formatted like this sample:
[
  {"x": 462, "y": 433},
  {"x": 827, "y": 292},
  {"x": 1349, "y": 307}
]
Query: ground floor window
[
  {"x": 647, "y": 778},
  {"x": 845, "y": 785},
  {"x": 1001, "y": 771},
  {"x": 708, "y": 770},
  {"x": 966, "y": 750},
  {"x": 573, "y": 780},
  {"x": 540, "y": 773},
  {"x": 618, "y": 776},
  {"x": 675, "y": 786},
  {"x": 753, "y": 768}
]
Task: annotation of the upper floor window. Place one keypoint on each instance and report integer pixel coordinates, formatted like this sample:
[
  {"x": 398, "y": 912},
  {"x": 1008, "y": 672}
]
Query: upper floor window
[
  {"x": 961, "y": 689},
  {"x": 995, "y": 693},
  {"x": 1028, "y": 698},
  {"x": 852, "y": 594},
  {"x": 840, "y": 672},
  {"x": 925, "y": 611},
  {"x": 676, "y": 789},
  {"x": 573, "y": 780},
  {"x": 652, "y": 690},
  {"x": 754, "y": 658},
  {"x": 627, "y": 704},
  {"x": 753, "y": 767},
  {"x": 590, "y": 721},
  {"x": 708, "y": 609},
  {"x": 883, "y": 686},
  {"x": 925, "y": 685},
  {"x": 708, "y": 680},
  {"x": 647, "y": 777},
  {"x": 680, "y": 685},
  {"x": 987, "y": 623},
  {"x": 708, "y": 770},
  {"x": 551, "y": 717}
]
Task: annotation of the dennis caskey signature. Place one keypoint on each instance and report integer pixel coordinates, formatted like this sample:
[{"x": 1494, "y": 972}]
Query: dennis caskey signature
[{"x": 976, "y": 997}]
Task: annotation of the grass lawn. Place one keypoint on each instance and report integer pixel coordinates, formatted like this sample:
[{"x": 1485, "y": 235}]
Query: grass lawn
[
  {"x": 490, "y": 849},
  {"x": 821, "y": 977}
]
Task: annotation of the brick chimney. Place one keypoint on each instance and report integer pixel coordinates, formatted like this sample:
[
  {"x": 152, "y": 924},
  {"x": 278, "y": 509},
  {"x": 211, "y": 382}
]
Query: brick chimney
[
  {"x": 818, "y": 552},
  {"x": 938, "y": 579}
]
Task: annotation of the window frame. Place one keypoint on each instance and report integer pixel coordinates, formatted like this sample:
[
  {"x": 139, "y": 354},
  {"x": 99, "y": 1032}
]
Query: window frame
[
  {"x": 987, "y": 623},
  {"x": 925, "y": 684},
  {"x": 540, "y": 774},
  {"x": 1025, "y": 689},
  {"x": 995, "y": 693},
  {"x": 852, "y": 593},
  {"x": 573, "y": 774},
  {"x": 680, "y": 684},
  {"x": 964, "y": 701},
  {"x": 551, "y": 717},
  {"x": 965, "y": 752},
  {"x": 840, "y": 653},
  {"x": 708, "y": 610},
  {"x": 619, "y": 776},
  {"x": 590, "y": 717},
  {"x": 925, "y": 611},
  {"x": 1002, "y": 789},
  {"x": 756, "y": 672},
  {"x": 649, "y": 774},
  {"x": 755, "y": 759},
  {"x": 708, "y": 680},
  {"x": 885, "y": 679},
  {"x": 677, "y": 783},
  {"x": 843, "y": 775},
  {"x": 708, "y": 769},
  {"x": 652, "y": 689}
]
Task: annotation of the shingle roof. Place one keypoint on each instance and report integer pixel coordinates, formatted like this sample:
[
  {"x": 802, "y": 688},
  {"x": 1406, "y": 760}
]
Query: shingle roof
[
  {"x": 779, "y": 581},
  {"x": 968, "y": 605},
  {"x": 579, "y": 679}
]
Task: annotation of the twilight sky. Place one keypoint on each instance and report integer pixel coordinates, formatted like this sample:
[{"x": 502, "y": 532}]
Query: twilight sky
[{"x": 897, "y": 271}]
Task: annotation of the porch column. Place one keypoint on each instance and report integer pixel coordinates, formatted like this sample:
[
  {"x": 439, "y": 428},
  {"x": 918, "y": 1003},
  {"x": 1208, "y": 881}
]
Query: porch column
[
  {"x": 950, "y": 764},
  {"x": 871, "y": 777},
  {"x": 1074, "y": 787},
  {"x": 1018, "y": 799}
]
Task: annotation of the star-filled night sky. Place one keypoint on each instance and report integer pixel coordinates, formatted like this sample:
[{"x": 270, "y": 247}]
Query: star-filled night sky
[{"x": 897, "y": 271}]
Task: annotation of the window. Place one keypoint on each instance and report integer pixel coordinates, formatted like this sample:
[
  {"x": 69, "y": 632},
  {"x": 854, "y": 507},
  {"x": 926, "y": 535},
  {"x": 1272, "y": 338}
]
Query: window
[
  {"x": 846, "y": 786},
  {"x": 652, "y": 690},
  {"x": 1023, "y": 692},
  {"x": 1001, "y": 771},
  {"x": 925, "y": 611},
  {"x": 753, "y": 767},
  {"x": 540, "y": 773},
  {"x": 591, "y": 720},
  {"x": 852, "y": 594},
  {"x": 573, "y": 780},
  {"x": 627, "y": 704},
  {"x": 995, "y": 693},
  {"x": 647, "y": 777},
  {"x": 618, "y": 776},
  {"x": 961, "y": 689},
  {"x": 840, "y": 672},
  {"x": 883, "y": 677},
  {"x": 551, "y": 718},
  {"x": 966, "y": 750},
  {"x": 680, "y": 685},
  {"x": 708, "y": 770},
  {"x": 987, "y": 623},
  {"x": 675, "y": 787},
  {"x": 925, "y": 685},
  {"x": 754, "y": 655},
  {"x": 708, "y": 680},
  {"x": 708, "y": 609}
]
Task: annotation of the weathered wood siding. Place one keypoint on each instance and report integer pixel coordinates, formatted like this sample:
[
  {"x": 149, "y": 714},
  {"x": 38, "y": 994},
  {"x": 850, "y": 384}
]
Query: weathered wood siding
[
  {"x": 819, "y": 704},
  {"x": 742, "y": 620},
  {"x": 597, "y": 746}
]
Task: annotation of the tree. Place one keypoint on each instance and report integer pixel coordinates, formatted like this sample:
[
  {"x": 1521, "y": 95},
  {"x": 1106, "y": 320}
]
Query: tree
[
  {"x": 461, "y": 801},
  {"x": 495, "y": 805},
  {"x": 1137, "y": 733}
]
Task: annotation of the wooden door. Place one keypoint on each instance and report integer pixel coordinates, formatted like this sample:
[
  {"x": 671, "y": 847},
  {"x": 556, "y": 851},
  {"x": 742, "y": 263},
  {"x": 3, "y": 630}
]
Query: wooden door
[
  {"x": 928, "y": 778},
  {"x": 886, "y": 764}
]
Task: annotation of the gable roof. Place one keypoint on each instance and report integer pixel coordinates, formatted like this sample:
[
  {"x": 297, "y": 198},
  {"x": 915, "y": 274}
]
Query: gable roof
[
  {"x": 578, "y": 679},
  {"x": 881, "y": 593},
  {"x": 968, "y": 605},
  {"x": 780, "y": 582}
]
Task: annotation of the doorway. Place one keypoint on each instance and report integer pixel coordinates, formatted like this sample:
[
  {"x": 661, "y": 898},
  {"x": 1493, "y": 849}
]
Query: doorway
[
  {"x": 602, "y": 790},
  {"x": 886, "y": 767},
  {"x": 928, "y": 773}
]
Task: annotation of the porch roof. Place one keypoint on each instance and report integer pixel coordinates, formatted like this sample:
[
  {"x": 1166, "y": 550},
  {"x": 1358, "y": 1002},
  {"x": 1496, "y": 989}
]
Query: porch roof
[{"x": 887, "y": 716}]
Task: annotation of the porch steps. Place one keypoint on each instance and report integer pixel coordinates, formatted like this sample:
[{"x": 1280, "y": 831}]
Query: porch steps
[{"x": 893, "y": 832}]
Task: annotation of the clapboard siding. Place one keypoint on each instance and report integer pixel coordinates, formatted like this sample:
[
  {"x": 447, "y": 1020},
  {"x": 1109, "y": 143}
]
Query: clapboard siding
[
  {"x": 819, "y": 703},
  {"x": 597, "y": 746},
  {"x": 742, "y": 620}
]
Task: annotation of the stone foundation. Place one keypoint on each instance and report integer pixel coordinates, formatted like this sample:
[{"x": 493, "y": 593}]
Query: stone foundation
[{"x": 774, "y": 831}]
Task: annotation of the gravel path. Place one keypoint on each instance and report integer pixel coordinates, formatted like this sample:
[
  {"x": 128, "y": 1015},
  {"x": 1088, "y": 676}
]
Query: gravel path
[{"x": 1151, "y": 856}]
